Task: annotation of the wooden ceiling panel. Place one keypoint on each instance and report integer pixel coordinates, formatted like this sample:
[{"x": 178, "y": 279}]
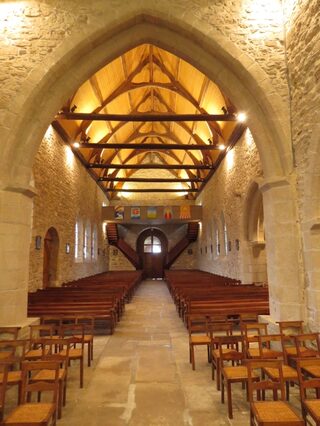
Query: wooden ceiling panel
[{"x": 149, "y": 81}]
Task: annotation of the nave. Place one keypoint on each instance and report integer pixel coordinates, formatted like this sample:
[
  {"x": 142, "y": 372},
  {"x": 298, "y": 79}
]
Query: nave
[{"x": 141, "y": 375}]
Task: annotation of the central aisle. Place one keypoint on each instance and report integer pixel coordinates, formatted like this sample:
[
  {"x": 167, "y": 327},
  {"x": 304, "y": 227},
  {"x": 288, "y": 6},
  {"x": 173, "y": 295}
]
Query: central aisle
[{"x": 141, "y": 375}]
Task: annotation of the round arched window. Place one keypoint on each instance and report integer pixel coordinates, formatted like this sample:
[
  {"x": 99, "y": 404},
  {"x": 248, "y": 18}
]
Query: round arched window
[{"x": 152, "y": 244}]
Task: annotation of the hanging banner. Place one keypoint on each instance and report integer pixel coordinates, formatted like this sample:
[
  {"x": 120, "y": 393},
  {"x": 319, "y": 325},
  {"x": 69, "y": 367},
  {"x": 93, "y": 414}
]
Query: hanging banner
[
  {"x": 135, "y": 212},
  {"x": 152, "y": 213},
  {"x": 185, "y": 212},
  {"x": 119, "y": 212},
  {"x": 167, "y": 213}
]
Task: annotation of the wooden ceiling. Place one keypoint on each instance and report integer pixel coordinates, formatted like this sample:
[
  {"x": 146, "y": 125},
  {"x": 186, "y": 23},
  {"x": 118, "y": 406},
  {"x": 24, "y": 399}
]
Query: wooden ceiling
[{"x": 149, "y": 122}]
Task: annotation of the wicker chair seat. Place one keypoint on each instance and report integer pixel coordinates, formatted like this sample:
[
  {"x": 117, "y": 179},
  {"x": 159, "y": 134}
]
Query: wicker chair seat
[
  {"x": 200, "y": 339},
  {"x": 31, "y": 413},
  {"x": 266, "y": 353},
  {"x": 35, "y": 354},
  {"x": 292, "y": 351},
  {"x": 5, "y": 355},
  {"x": 237, "y": 372},
  {"x": 288, "y": 373},
  {"x": 275, "y": 411},
  {"x": 216, "y": 352},
  {"x": 49, "y": 375},
  {"x": 313, "y": 406},
  {"x": 75, "y": 353}
]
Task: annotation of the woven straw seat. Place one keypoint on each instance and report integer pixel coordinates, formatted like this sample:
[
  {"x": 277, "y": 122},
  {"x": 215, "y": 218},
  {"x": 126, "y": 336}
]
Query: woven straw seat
[
  {"x": 4, "y": 355},
  {"x": 49, "y": 375},
  {"x": 75, "y": 353},
  {"x": 75, "y": 335},
  {"x": 198, "y": 336},
  {"x": 200, "y": 340},
  {"x": 31, "y": 413},
  {"x": 309, "y": 388},
  {"x": 275, "y": 412},
  {"x": 34, "y": 354},
  {"x": 289, "y": 373},
  {"x": 238, "y": 372}
]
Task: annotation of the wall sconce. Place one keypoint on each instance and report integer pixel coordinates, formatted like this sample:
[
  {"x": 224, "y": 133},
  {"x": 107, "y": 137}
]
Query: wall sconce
[
  {"x": 38, "y": 242},
  {"x": 229, "y": 245},
  {"x": 237, "y": 244},
  {"x": 67, "y": 248}
]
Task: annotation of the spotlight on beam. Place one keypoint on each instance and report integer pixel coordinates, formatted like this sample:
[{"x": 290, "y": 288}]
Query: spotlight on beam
[
  {"x": 241, "y": 117},
  {"x": 76, "y": 145},
  {"x": 221, "y": 147}
]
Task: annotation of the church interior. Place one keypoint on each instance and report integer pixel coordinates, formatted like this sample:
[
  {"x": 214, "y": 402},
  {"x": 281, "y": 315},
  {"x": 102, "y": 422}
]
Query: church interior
[{"x": 159, "y": 212}]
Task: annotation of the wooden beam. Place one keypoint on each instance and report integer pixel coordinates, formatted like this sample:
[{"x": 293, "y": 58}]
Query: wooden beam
[
  {"x": 145, "y": 117},
  {"x": 148, "y": 146},
  {"x": 150, "y": 166},
  {"x": 130, "y": 179},
  {"x": 150, "y": 190}
]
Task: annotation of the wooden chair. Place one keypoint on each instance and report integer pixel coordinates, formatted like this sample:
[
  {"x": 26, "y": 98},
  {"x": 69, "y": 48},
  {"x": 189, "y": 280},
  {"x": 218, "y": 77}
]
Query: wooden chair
[
  {"x": 269, "y": 412},
  {"x": 3, "y": 387},
  {"x": 217, "y": 330},
  {"x": 37, "y": 333},
  {"x": 198, "y": 336},
  {"x": 270, "y": 347},
  {"x": 75, "y": 334},
  {"x": 49, "y": 353},
  {"x": 36, "y": 413},
  {"x": 229, "y": 352},
  {"x": 54, "y": 321},
  {"x": 307, "y": 345},
  {"x": 250, "y": 333},
  {"x": 88, "y": 323},
  {"x": 7, "y": 333},
  {"x": 309, "y": 380},
  {"x": 17, "y": 349},
  {"x": 289, "y": 329}
]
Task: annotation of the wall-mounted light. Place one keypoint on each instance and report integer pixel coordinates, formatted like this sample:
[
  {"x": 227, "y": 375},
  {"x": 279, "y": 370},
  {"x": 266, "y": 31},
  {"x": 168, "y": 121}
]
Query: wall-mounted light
[{"x": 38, "y": 242}]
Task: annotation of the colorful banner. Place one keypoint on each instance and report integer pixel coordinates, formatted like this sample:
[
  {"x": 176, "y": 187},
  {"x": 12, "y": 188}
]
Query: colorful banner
[
  {"x": 152, "y": 213},
  {"x": 185, "y": 212},
  {"x": 135, "y": 212},
  {"x": 119, "y": 212},
  {"x": 167, "y": 213}
]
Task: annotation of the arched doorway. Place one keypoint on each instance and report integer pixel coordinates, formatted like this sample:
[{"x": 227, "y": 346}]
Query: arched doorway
[
  {"x": 50, "y": 258},
  {"x": 152, "y": 246}
]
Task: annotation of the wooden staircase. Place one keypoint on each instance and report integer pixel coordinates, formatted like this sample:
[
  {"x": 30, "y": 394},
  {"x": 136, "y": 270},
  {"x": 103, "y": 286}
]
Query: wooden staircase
[
  {"x": 191, "y": 236},
  {"x": 128, "y": 251}
]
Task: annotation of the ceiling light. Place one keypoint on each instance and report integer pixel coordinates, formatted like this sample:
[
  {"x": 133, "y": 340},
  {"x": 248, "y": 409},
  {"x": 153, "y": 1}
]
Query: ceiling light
[
  {"x": 241, "y": 117},
  {"x": 221, "y": 147},
  {"x": 76, "y": 145}
]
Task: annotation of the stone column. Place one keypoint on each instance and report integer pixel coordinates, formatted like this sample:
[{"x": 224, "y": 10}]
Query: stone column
[
  {"x": 15, "y": 234},
  {"x": 283, "y": 246}
]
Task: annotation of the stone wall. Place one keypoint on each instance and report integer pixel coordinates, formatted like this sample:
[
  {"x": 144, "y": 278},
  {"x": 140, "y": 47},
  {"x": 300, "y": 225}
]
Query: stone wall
[
  {"x": 65, "y": 194},
  {"x": 224, "y": 200},
  {"x": 303, "y": 44}
]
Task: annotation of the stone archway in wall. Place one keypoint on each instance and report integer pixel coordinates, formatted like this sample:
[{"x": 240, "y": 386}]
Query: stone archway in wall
[
  {"x": 152, "y": 247},
  {"x": 310, "y": 186},
  {"x": 86, "y": 51},
  {"x": 254, "y": 261},
  {"x": 50, "y": 258}
]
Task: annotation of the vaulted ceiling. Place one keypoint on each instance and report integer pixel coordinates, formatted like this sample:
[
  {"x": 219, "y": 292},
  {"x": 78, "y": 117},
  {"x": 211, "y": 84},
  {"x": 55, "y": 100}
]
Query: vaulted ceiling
[{"x": 149, "y": 122}]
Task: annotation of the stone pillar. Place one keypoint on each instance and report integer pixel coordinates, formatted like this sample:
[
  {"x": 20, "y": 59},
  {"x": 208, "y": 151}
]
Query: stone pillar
[
  {"x": 15, "y": 234},
  {"x": 283, "y": 250}
]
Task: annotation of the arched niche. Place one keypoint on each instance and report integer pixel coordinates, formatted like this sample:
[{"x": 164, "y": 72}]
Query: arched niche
[
  {"x": 254, "y": 260},
  {"x": 152, "y": 247},
  {"x": 50, "y": 258},
  {"x": 85, "y": 52}
]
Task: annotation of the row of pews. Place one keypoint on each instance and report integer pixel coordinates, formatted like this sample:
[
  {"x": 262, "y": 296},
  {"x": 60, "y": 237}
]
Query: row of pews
[
  {"x": 202, "y": 293},
  {"x": 101, "y": 296}
]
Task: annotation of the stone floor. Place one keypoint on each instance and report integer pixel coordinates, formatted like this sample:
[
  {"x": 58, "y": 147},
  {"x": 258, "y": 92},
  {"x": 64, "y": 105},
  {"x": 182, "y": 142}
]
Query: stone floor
[{"x": 141, "y": 375}]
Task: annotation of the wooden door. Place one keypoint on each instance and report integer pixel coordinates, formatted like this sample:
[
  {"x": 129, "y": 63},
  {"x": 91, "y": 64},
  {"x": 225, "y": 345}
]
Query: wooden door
[
  {"x": 153, "y": 265},
  {"x": 152, "y": 248},
  {"x": 50, "y": 258}
]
